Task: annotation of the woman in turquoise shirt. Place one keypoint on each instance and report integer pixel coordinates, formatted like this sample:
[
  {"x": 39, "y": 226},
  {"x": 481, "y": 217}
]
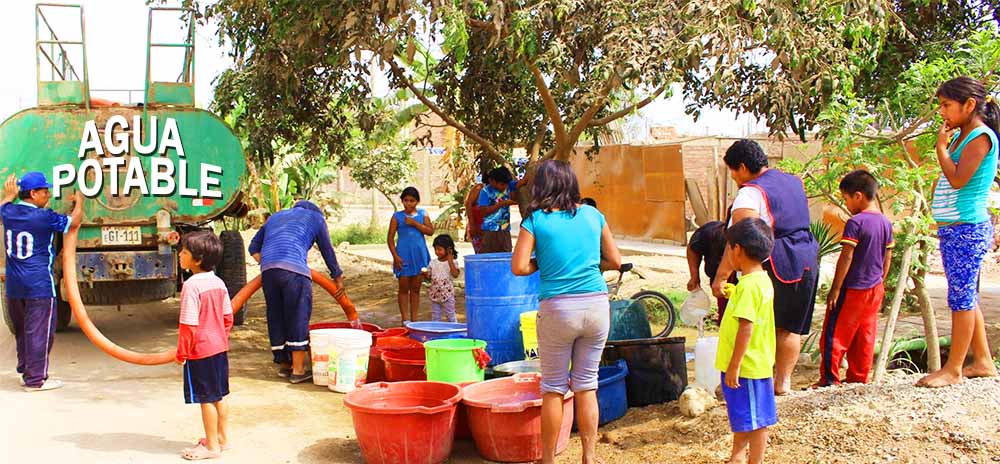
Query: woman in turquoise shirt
[
  {"x": 572, "y": 245},
  {"x": 968, "y": 162}
]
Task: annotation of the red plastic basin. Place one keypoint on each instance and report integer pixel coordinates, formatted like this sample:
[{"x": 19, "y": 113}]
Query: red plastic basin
[
  {"x": 505, "y": 416},
  {"x": 376, "y": 367},
  {"x": 405, "y": 364},
  {"x": 462, "y": 431},
  {"x": 404, "y": 422}
]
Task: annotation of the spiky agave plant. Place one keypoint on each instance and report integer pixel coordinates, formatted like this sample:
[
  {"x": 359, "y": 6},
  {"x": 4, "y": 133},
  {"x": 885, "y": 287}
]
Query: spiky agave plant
[{"x": 828, "y": 241}]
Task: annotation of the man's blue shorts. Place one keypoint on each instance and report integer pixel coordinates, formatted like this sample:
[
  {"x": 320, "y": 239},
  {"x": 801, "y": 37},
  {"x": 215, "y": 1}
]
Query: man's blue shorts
[{"x": 752, "y": 405}]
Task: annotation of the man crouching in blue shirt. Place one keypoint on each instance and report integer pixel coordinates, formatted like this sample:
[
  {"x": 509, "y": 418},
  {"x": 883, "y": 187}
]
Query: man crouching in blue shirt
[
  {"x": 281, "y": 246},
  {"x": 29, "y": 231}
]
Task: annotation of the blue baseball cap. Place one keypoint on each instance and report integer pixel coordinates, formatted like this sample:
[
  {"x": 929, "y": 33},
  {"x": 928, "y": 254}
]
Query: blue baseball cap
[{"x": 32, "y": 181}]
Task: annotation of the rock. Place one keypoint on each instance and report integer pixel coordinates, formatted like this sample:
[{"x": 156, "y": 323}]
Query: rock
[
  {"x": 343, "y": 245},
  {"x": 695, "y": 401}
]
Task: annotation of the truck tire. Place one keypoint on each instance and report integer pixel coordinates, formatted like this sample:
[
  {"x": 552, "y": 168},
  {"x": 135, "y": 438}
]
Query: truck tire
[
  {"x": 126, "y": 292},
  {"x": 233, "y": 268},
  {"x": 64, "y": 314},
  {"x": 6, "y": 310}
]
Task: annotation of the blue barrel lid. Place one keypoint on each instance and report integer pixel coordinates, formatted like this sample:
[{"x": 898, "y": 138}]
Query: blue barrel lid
[{"x": 437, "y": 327}]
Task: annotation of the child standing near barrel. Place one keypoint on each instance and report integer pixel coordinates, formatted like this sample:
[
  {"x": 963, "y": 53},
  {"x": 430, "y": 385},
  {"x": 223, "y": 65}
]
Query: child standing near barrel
[
  {"x": 409, "y": 252},
  {"x": 440, "y": 271},
  {"x": 206, "y": 317},
  {"x": 747, "y": 342}
]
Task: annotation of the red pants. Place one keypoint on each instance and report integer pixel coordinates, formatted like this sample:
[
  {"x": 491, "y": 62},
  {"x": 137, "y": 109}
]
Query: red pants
[{"x": 850, "y": 329}]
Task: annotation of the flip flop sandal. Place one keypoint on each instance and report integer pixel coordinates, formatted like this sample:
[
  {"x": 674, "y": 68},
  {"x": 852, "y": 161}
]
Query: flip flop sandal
[
  {"x": 295, "y": 379},
  {"x": 201, "y": 442},
  {"x": 200, "y": 453}
]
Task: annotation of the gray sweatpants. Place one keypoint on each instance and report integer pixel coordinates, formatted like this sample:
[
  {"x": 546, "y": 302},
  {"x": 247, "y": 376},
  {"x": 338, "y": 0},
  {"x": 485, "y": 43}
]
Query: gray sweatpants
[{"x": 572, "y": 328}]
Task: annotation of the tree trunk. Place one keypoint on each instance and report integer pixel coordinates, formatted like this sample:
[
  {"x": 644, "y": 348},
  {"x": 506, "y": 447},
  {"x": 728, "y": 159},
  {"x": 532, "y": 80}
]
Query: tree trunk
[
  {"x": 890, "y": 324},
  {"x": 930, "y": 322}
]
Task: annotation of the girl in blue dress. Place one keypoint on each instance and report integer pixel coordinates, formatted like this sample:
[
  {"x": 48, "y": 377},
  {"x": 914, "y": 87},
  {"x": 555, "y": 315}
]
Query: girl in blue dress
[{"x": 409, "y": 251}]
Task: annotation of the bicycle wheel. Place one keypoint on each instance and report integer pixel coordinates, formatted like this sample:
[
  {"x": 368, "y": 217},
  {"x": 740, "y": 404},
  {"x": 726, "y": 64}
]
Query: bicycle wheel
[{"x": 659, "y": 309}]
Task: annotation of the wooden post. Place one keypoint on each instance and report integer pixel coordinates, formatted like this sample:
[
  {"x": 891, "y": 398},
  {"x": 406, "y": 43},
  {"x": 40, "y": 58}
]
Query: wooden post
[{"x": 890, "y": 324}]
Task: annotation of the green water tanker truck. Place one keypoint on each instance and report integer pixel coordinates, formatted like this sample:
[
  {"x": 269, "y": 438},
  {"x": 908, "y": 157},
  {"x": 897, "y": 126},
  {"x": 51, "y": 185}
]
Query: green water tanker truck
[{"x": 150, "y": 171}]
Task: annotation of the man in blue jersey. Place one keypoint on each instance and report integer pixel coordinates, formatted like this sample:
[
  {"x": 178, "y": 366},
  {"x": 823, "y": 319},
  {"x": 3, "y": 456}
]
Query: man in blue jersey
[
  {"x": 281, "y": 246},
  {"x": 30, "y": 230}
]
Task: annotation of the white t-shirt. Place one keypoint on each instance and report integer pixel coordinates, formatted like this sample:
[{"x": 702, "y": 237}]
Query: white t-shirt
[
  {"x": 751, "y": 198},
  {"x": 442, "y": 289}
]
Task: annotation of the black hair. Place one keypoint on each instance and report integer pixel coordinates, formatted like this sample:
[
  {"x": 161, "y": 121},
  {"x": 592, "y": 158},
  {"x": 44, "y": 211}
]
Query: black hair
[
  {"x": 860, "y": 181},
  {"x": 501, "y": 174},
  {"x": 410, "y": 192},
  {"x": 748, "y": 153},
  {"x": 204, "y": 246},
  {"x": 445, "y": 241},
  {"x": 24, "y": 194},
  {"x": 754, "y": 236},
  {"x": 961, "y": 89},
  {"x": 555, "y": 187},
  {"x": 589, "y": 201}
]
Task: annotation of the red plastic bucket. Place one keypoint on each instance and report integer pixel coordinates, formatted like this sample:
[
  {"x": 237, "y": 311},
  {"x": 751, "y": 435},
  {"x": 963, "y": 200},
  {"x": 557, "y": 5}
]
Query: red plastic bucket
[
  {"x": 405, "y": 364},
  {"x": 462, "y": 431},
  {"x": 505, "y": 416},
  {"x": 392, "y": 332},
  {"x": 404, "y": 422},
  {"x": 376, "y": 367},
  {"x": 367, "y": 327}
]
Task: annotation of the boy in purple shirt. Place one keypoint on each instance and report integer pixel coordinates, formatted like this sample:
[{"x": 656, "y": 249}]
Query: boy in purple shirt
[{"x": 857, "y": 292}]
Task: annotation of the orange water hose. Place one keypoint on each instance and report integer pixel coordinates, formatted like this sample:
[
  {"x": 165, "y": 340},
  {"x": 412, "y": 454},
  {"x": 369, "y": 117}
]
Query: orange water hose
[{"x": 72, "y": 292}]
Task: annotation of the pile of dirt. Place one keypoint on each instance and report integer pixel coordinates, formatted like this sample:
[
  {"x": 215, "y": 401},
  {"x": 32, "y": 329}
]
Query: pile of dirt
[{"x": 892, "y": 422}]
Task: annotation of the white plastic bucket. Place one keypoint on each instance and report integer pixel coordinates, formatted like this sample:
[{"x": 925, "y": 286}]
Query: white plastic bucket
[
  {"x": 347, "y": 364},
  {"x": 319, "y": 347},
  {"x": 705, "y": 373}
]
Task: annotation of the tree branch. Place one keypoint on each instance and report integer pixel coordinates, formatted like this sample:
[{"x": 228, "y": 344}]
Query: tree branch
[
  {"x": 584, "y": 122},
  {"x": 536, "y": 145},
  {"x": 485, "y": 144},
  {"x": 550, "y": 105},
  {"x": 629, "y": 109}
]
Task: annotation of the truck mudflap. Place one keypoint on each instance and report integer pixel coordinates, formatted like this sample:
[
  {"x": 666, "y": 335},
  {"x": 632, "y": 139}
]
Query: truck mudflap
[{"x": 125, "y": 265}]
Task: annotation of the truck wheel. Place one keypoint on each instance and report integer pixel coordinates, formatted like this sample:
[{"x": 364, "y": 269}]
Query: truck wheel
[
  {"x": 126, "y": 292},
  {"x": 233, "y": 268},
  {"x": 6, "y": 310},
  {"x": 63, "y": 314}
]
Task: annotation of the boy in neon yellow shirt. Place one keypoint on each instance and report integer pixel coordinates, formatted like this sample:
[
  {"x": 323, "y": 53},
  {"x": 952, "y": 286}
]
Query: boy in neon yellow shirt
[{"x": 747, "y": 342}]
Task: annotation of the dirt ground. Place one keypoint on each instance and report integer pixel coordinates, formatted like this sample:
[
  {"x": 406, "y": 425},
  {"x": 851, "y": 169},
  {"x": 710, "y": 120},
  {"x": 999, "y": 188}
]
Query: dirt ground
[{"x": 113, "y": 412}]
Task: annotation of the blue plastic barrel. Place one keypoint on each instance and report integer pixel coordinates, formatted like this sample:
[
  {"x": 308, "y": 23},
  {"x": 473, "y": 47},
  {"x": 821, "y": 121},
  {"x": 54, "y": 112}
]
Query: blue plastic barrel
[
  {"x": 424, "y": 331},
  {"x": 494, "y": 301},
  {"x": 612, "y": 397}
]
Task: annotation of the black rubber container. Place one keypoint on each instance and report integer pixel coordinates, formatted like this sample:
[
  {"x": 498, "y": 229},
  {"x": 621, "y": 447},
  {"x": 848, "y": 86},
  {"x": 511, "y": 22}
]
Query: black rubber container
[{"x": 657, "y": 371}]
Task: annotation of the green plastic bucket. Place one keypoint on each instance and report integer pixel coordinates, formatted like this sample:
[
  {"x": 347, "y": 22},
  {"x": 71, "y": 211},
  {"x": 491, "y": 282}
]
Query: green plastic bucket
[{"x": 453, "y": 360}]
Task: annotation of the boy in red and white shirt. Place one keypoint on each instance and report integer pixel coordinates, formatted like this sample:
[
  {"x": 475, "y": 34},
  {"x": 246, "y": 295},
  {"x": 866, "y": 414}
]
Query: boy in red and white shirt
[{"x": 206, "y": 318}]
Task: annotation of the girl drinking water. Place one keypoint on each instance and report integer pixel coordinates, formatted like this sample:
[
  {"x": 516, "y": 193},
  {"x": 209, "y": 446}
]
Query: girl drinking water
[
  {"x": 440, "y": 271},
  {"x": 409, "y": 252},
  {"x": 967, "y": 154}
]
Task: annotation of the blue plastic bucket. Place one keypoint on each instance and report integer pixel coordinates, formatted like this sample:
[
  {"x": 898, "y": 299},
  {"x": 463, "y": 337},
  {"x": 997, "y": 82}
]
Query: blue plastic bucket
[
  {"x": 612, "y": 397},
  {"x": 494, "y": 301},
  {"x": 423, "y": 331}
]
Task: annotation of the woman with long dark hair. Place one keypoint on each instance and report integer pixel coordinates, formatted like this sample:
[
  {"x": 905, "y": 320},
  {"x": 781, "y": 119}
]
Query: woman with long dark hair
[
  {"x": 572, "y": 245},
  {"x": 967, "y": 154}
]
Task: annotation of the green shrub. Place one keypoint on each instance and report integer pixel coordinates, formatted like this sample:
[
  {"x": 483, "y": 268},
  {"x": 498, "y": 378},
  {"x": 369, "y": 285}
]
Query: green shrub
[{"x": 359, "y": 234}]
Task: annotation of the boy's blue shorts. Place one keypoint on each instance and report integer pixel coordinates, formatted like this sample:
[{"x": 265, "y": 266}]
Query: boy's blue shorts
[
  {"x": 752, "y": 405},
  {"x": 206, "y": 380}
]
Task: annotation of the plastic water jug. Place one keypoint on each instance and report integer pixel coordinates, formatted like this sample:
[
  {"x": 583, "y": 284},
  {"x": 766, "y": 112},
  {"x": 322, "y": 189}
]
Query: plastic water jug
[
  {"x": 695, "y": 308},
  {"x": 705, "y": 373}
]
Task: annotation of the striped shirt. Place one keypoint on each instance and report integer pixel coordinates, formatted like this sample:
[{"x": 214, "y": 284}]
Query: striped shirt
[
  {"x": 967, "y": 204},
  {"x": 285, "y": 239},
  {"x": 205, "y": 308}
]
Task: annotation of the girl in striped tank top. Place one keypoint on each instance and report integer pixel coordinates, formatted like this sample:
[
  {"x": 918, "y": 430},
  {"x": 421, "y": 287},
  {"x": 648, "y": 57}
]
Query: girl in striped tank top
[{"x": 967, "y": 154}]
